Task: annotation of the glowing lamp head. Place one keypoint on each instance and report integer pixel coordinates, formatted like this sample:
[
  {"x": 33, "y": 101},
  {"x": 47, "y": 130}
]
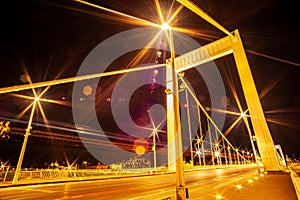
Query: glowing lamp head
[
  {"x": 164, "y": 27},
  {"x": 243, "y": 115}
]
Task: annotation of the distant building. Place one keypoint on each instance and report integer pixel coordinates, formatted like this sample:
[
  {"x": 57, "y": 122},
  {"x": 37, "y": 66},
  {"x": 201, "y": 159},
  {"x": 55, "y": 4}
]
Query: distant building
[{"x": 133, "y": 163}]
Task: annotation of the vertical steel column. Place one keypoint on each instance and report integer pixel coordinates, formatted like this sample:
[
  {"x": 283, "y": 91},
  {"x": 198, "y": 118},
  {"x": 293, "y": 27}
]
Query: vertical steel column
[
  {"x": 264, "y": 140},
  {"x": 170, "y": 120},
  {"x": 173, "y": 122}
]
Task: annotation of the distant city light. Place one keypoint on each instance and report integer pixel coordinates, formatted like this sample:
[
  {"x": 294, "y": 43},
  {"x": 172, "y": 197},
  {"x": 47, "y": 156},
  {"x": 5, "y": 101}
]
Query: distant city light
[{"x": 158, "y": 54}]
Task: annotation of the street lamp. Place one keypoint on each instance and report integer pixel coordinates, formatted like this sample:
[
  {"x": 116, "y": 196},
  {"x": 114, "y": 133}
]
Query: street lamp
[
  {"x": 154, "y": 132},
  {"x": 198, "y": 151},
  {"x": 19, "y": 165},
  {"x": 165, "y": 27},
  {"x": 155, "y": 129},
  {"x": 180, "y": 183}
]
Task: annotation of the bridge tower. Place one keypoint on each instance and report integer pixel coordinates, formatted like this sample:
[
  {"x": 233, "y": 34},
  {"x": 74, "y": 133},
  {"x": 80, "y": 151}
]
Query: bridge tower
[{"x": 225, "y": 46}]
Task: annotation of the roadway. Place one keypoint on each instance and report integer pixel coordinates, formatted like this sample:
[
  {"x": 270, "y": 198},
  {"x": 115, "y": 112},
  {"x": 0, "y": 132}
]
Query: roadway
[{"x": 199, "y": 183}]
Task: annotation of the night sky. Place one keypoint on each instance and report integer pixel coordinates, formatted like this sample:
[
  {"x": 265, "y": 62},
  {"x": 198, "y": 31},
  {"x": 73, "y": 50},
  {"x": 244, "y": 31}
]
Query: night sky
[{"x": 52, "y": 38}]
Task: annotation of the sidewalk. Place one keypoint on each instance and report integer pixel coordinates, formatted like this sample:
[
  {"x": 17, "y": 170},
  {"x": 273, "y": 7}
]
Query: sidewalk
[{"x": 272, "y": 186}]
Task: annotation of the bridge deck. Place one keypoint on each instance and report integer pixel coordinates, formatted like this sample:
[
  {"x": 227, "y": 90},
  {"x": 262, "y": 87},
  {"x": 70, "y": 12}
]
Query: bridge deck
[{"x": 272, "y": 186}]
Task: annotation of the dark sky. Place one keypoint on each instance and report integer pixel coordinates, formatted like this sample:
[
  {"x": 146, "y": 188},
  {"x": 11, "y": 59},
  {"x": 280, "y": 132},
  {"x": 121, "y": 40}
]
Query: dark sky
[{"x": 48, "y": 37}]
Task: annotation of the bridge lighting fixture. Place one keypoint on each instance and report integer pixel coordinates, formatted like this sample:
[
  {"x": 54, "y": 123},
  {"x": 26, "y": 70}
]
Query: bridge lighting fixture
[{"x": 239, "y": 187}]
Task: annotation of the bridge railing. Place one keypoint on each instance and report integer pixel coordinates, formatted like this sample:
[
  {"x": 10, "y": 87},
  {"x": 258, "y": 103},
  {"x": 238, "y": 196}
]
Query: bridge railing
[
  {"x": 294, "y": 169},
  {"x": 56, "y": 175}
]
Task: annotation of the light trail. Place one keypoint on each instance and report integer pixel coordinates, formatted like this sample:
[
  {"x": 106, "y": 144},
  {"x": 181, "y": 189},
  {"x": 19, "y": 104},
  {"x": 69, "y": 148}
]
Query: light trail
[{"x": 73, "y": 139}]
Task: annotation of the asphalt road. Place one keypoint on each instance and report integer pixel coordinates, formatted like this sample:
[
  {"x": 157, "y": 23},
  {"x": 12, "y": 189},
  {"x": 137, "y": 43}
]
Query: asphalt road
[{"x": 199, "y": 183}]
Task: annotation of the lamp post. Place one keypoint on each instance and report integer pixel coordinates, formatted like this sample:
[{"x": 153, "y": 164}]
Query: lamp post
[
  {"x": 19, "y": 165},
  {"x": 154, "y": 148},
  {"x": 180, "y": 183}
]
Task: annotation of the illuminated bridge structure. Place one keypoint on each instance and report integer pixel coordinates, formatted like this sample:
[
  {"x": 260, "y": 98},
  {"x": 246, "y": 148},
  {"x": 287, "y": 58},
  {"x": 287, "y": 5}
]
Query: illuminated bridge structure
[
  {"x": 232, "y": 44},
  {"x": 211, "y": 149}
]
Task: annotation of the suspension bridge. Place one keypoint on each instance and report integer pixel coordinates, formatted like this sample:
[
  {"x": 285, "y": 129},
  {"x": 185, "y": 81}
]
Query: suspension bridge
[{"x": 189, "y": 148}]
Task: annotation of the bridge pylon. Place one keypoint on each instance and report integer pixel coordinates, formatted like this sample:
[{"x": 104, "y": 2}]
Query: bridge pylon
[{"x": 220, "y": 48}]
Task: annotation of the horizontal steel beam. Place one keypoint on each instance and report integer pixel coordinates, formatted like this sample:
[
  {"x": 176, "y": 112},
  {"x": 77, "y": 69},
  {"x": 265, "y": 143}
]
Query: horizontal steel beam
[{"x": 202, "y": 55}]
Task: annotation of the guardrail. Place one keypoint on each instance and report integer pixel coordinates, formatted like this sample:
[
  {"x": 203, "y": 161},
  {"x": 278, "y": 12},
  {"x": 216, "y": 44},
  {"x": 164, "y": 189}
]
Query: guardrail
[
  {"x": 295, "y": 176},
  {"x": 51, "y": 175}
]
